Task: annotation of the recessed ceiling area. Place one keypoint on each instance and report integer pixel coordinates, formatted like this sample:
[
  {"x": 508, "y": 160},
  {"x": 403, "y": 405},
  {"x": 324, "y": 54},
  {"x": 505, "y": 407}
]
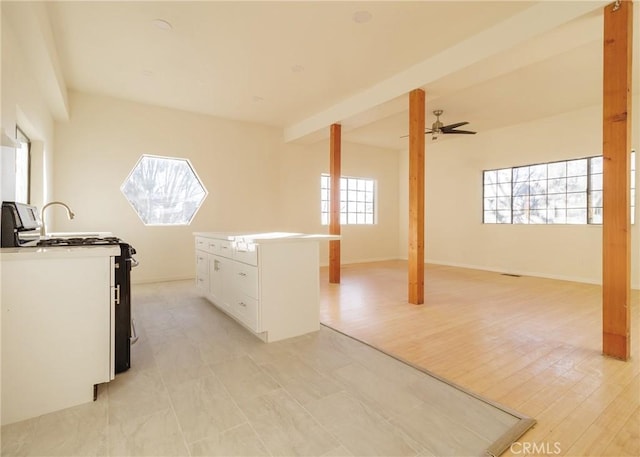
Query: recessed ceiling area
[{"x": 300, "y": 66}]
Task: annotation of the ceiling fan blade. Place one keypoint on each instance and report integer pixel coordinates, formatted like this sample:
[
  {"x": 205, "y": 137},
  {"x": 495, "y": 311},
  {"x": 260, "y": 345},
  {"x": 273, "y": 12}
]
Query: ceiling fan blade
[
  {"x": 453, "y": 126},
  {"x": 445, "y": 130},
  {"x": 467, "y": 132}
]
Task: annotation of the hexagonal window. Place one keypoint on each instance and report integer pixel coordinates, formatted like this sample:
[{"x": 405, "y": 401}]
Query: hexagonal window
[{"x": 164, "y": 190}]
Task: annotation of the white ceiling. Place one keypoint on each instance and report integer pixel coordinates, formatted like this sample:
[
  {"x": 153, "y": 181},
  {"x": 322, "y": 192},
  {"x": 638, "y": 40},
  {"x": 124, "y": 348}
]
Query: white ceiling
[{"x": 303, "y": 65}]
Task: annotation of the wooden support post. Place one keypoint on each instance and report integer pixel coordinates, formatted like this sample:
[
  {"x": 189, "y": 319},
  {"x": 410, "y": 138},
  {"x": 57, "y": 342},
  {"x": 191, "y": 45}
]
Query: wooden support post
[
  {"x": 616, "y": 138},
  {"x": 416, "y": 196},
  {"x": 334, "y": 203}
]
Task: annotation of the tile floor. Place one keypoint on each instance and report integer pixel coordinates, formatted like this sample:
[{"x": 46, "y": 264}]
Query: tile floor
[{"x": 201, "y": 385}]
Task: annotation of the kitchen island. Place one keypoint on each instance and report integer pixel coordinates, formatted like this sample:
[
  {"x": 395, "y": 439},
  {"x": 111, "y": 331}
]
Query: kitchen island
[
  {"x": 57, "y": 327},
  {"x": 268, "y": 282}
]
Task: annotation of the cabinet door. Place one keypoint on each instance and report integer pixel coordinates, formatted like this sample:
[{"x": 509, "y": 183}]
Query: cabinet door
[
  {"x": 202, "y": 272},
  {"x": 219, "y": 272}
]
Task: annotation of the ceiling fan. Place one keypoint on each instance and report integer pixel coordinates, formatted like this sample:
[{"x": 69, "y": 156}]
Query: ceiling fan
[{"x": 438, "y": 128}]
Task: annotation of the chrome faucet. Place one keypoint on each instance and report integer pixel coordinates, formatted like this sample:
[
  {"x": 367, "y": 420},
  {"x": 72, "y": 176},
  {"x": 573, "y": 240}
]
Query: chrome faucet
[{"x": 43, "y": 229}]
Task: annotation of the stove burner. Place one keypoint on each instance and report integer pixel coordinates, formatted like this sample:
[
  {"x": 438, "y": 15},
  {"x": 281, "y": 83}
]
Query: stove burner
[{"x": 89, "y": 241}]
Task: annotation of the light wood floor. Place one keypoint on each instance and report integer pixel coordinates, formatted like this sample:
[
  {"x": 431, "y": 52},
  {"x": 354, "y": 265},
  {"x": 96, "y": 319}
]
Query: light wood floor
[{"x": 531, "y": 344}]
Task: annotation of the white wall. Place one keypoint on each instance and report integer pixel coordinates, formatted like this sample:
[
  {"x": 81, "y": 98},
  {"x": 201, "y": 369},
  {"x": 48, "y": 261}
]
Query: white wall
[
  {"x": 255, "y": 181},
  {"x": 300, "y": 197},
  {"x": 454, "y": 233},
  {"x": 105, "y": 137},
  {"x": 24, "y": 104}
]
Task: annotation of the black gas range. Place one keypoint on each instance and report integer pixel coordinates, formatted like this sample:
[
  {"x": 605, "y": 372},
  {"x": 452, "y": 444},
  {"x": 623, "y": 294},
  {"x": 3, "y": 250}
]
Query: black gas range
[
  {"x": 20, "y": 229},
  {"x": 80, "y": 241}
]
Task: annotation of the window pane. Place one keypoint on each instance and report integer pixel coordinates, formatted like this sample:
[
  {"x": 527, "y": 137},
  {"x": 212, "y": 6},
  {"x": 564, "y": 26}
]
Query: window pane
[
  {"x": 595, "y": 181},
  {"x": 557, "y": 201},
  {"x": 504, "y": 175},
  {"x": 577, "y": 184},
  {"x": 538, "y": 202},
  {"x": 538, "y": 216},
  {"x": 490, "y": 177},
  {"x": 577, "y": 167},
  {"x": 595, "y": 216},
  {"x": 557, "y": 216},
  {"x": 520, "y": 188},
  {"x": 595, "y": 199},
  {"x": 504, "y": 217},
  {"x": 538, "y": 187},
  {"x": 504, "y": 189},
  {"x": 356, "y": 200},
  {"x": 577, "y": 200},
  {"x": 557, "y": 170},
  {"x": 557, "y": 185},
  {"x": 504, "y": 203},
  {"x": 521, "y": 174},
  {"x": 521, "y": 203},
  {"x": 490, "y": 204},
  {"x": 520, "y": 217},
  {"x": 577, "y": 216},
  {"x": 490, "y": 217},
  {"x": 596, "y": 164},
  {"x": 491, "y": 190},
  {"x": 538, "y": 172},
  {"x": 164, "y": 191}
]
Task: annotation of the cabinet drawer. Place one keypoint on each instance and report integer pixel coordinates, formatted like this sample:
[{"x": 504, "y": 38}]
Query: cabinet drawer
[
  {"x": 202, "y": 283},
  {"x": 245, "y": 309},
  {"x": 214, "y": 246},
  {"x": 245, "y": 279},
  {"x": 224, "y": 248},
  {"x": 201, "y": 244},
  {"x": 247, "y": 253},
  {"x": 202, "y": 263}
]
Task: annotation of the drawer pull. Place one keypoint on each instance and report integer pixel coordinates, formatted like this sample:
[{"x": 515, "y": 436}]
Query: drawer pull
[
  {"x": 242, "y": 274},
  {"x": 243, "y": 304}
]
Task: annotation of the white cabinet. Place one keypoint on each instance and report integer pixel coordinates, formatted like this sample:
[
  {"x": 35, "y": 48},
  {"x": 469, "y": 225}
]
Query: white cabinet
[
  {"x": 270, "y": 284},
  {"x": 57, "y": 327}
]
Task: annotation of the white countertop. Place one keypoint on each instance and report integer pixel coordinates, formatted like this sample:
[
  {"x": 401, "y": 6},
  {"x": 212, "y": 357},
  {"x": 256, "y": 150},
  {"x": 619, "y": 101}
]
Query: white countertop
[
  {"x": 58, "y": 252},
  {"x": 267, "y": 237}
]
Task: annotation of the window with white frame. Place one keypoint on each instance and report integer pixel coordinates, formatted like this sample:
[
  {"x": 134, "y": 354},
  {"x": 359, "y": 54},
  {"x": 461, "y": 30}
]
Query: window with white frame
[
  {"x": 564, "y": 192},
  {"x": 357, "y": 200},
  {"x": 164, "y": 190}
]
